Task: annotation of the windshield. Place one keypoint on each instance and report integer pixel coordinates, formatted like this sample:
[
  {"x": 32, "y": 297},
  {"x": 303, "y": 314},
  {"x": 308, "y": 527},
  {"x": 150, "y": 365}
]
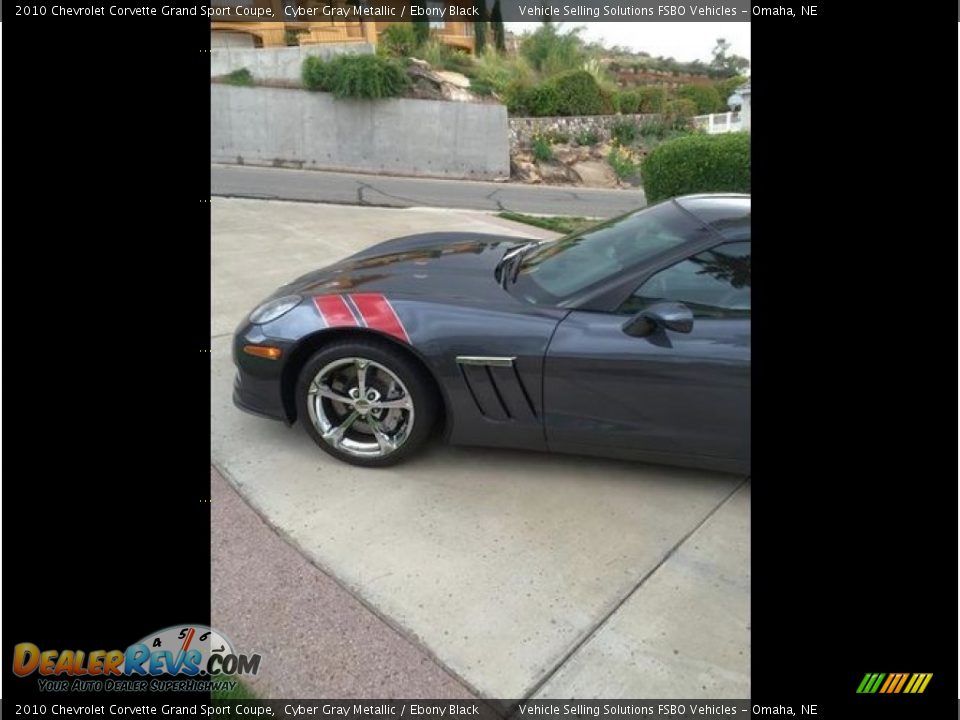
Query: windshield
[{"x": 565, "y": 267}]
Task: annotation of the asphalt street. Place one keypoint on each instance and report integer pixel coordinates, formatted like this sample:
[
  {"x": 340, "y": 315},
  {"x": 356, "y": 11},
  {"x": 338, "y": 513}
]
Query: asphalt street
[
  {"x": 497, "y": 573},
  {"x": 404, "y": 192}
]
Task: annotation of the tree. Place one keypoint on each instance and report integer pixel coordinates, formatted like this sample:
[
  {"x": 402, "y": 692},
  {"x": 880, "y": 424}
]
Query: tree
[
  {"x": 494, "y": 18},
  {"x": 719, "y": 53},
  {"x": 499, "y": 32},
  {"x": 725, "y": 64},
  {"x": 480, "y": 26}
]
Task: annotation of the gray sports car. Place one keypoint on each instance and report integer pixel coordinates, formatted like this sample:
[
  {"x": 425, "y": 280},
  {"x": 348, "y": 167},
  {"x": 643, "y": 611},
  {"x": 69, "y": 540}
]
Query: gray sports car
[{"x": 630, "y": 339}]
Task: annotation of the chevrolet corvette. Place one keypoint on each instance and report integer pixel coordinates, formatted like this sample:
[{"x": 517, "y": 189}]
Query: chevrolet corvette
[{"x": 630, "y": 339}]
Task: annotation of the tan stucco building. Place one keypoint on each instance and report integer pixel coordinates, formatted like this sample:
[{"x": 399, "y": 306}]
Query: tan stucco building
[{"x": 328, "y": 29}]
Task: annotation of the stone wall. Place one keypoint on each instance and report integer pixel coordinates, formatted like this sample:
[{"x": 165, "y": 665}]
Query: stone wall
[
  {"x": 296, "y": 128},
  {"x": 522, "y": 129}
]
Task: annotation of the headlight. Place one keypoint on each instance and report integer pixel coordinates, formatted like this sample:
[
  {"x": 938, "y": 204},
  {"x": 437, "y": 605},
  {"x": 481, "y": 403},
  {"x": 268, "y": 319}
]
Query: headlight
[{"x": 272, "y": 309}]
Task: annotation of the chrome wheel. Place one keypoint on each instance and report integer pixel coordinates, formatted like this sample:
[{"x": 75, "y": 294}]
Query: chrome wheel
[{"x": 360, "y": 407}]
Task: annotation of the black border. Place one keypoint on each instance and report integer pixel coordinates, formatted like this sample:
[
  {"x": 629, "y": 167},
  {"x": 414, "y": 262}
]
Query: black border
[
  {"x": 854, "y": 489},
  {"x": 106, "y": 528},
  {"x": 107, "y": 296}
]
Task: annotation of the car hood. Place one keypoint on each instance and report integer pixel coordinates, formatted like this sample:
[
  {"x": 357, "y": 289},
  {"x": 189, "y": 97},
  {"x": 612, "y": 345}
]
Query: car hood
[{"x": 436, "y": 265}]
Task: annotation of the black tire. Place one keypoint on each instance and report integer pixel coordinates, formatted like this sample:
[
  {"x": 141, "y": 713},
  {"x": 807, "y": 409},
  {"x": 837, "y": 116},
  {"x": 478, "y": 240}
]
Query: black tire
[{"x": 418, "y": 385}]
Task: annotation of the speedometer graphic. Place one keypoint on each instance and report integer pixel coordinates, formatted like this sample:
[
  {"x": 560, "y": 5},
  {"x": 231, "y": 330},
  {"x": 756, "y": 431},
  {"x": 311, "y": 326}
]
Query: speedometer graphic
[{"x": 196, "y": 650}]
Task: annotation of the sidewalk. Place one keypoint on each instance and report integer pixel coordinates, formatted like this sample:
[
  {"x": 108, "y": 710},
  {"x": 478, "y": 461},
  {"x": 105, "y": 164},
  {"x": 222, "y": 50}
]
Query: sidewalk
[{"x": 316, "y": 639}]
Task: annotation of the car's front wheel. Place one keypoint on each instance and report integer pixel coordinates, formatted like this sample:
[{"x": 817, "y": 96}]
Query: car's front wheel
[{"x": 365, "y": 402}]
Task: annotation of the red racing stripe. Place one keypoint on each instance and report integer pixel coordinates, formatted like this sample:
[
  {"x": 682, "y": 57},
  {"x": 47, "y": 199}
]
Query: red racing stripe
[
  {"x": 379, "y": 314},
  {"x": 334, "y": 311}
]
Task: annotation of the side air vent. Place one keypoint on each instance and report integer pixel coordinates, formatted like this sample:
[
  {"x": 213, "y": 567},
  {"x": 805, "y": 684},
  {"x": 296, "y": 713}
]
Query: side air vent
[{"x": 496, "y": 387}]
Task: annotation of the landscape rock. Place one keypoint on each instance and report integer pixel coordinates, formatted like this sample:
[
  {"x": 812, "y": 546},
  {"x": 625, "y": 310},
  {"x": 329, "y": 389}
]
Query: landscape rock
[
  {"x": 570, "y": 154},
  {"x": 596, "y": 173},
  {"x": 556, "y": 173},
  {"x": 524, "y": 170},
  {"x": 429, "y": 84}
]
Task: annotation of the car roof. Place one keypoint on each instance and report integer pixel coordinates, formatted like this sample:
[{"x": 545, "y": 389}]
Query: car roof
[{"x": 726, "y": 213}]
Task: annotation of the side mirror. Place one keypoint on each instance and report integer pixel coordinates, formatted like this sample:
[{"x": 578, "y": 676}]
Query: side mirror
[{"x": 660, "y": 316}]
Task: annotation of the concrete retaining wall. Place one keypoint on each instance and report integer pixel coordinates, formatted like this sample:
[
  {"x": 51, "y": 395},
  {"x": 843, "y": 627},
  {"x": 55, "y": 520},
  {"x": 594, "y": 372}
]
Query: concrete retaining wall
[
  {"x": 297, "y": 128},
  {"x": 277, "y": 63}
]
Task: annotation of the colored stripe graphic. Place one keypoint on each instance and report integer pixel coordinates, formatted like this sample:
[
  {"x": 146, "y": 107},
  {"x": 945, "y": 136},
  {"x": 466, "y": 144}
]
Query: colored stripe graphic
[
  {"x": 918, "y": 683},
  {"x": 894, "y": 683},
  {"x": 379, "y": 314},
  {"x": 334, "y": 311}
]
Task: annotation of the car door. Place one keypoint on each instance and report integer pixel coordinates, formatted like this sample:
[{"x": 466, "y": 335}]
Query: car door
[{"x": 667, "y": 395}]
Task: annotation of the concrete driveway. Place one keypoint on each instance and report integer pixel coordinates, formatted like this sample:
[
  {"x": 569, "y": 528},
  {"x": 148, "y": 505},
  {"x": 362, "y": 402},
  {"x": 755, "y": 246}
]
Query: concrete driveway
[{"x": 522, "y": 574}]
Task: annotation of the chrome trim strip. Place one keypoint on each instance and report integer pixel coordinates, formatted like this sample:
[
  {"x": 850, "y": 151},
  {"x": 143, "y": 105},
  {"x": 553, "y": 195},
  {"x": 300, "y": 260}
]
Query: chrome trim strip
[{"x": 488, "y": 361}]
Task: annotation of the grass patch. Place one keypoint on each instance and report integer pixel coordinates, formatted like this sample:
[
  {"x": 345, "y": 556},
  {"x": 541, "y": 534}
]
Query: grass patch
[
  {"x": 540, "y": 147},
  {"x": 560, "y": 224},
  {"x": 239, "y": 692}
]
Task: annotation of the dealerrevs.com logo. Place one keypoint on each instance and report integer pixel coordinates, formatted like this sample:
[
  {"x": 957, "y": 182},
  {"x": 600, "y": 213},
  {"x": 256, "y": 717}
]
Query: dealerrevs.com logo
[{"x": 192, "y": 658}]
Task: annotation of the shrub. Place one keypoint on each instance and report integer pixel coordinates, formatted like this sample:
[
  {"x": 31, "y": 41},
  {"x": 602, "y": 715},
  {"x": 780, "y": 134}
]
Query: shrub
[
  {"x": 444, "y": 57},
  {"x": 587, "y": 137},
  {"x": 698, "y": 163},
  {"x": 705, "y": 97},
  {"x": 628, "y": 102},
  {"x": 621, "y": 163},
  {"x": 652, "y": 99},
  {"x": 551, "y": 51},
  {"x": 239, "y": 77},
  {"x": 679, "y": 112},
  {"x": 458, "y": 60},
  {"x": 577, "y": 93},
  {"x": 315, "y": 73},
  {"x": 540, "y": 147},
  {"x": 539, "y": 101},
  {"x": 398, "y": 40},
  {"x": 356, "y": 76},
  {"x": 501, "y": 71},
  {"x": 624, "y": 132},
  {"x": 725, "y": 88},
  {"x": 481, "y": 87}
]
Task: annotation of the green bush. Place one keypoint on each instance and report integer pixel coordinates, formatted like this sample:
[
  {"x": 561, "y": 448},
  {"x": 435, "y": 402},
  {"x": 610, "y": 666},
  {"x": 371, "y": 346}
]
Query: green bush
[
  {"x": 698, "y": 163},
  {"x": 578, "y": 93},
  {"x": 239, "y": 77},
  {"x": 441, "y": 56},
  {"x": 551, "y": 51},
  {"x": 500, "y": 71},
  {"x": 587, "y": 137},
  {"x": 621, "y": 163},
  {"x": 652, "y": 99},
  {"x": 725, "y": 88},
  {"x": 541, "y": 100},
  {"x": 705, "y": 97},
  {"x": 481, "y": 87},
  {"x": 398, "y": 40},
  {"x": 679, "y": 111},
  {"x": 624, "y": 132},
  {"x": 315, "y": 73},
  {"x": 628, "y": 102},
  {"x": 540, "y": 147},
  {"x": 356, "y": 76}
]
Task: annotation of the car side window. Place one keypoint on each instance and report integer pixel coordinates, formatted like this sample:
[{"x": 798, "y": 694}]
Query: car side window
[{"x": 713, "y": 284}]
